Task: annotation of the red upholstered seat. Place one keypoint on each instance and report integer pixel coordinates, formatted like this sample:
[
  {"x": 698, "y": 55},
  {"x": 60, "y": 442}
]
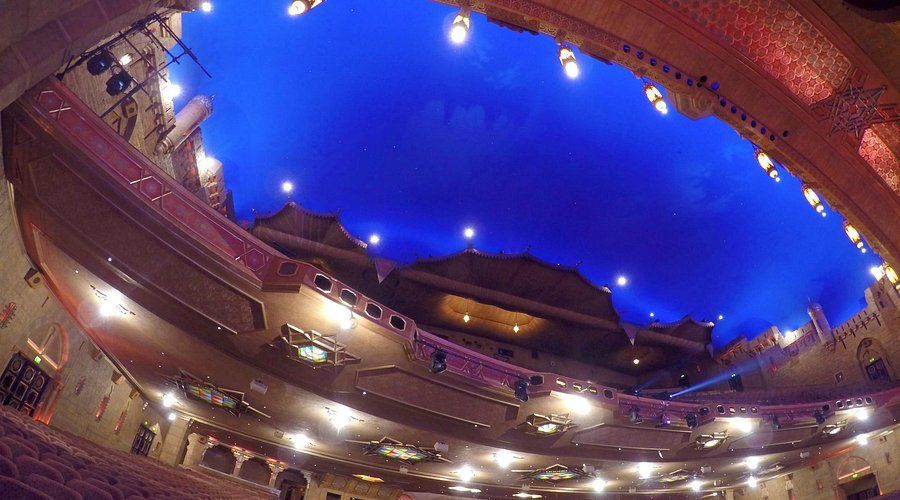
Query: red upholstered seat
[
  {"x": 18, "y": 447},
  {"x": 67, "y": 472},
  {"x": 88, "y": 491},
  {"x": 11, "y": 489},
  {"x": 56, "y": 490},
  {"x": 8, "y": 468},
  {"x": 29, "y": 465},
  {"x": 5, "y": 451},
  {"x": 105, "y": 486}
]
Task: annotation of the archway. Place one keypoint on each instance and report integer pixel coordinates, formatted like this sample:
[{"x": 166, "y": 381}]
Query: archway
[
  {"x": 255, "y": 470},
  {"x": 856, "y": 478},
  {"x": 292, "y": 484},
  {"x": 873, "y": 361},
  {"x": 219, "y": 458}
]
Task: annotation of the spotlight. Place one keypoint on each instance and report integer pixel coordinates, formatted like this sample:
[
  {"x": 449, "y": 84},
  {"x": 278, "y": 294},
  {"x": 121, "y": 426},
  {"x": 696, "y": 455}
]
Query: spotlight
[
  {"x": 459, "y": 30},
  {"x": 635, "y": 415},
  {"x": 466, "y": 317},
  {"x": 752, "y": 482},
  {"x": 752, "y": 463},
  {"x": 862, "y": 440},
  {"x": 374, "y": 239},
  {"x": 516, "y": 328},
  {"x": 598, "y": 485},
  {"x": 438, "y": 361},
  {"x": 775, "y": 423},
  {"x": 721, "y": 317},
  {"x": 469, "y": 233},
  {"x": 766, "y": 163},
  {"x": 100, "y": 62},
  {"x": 299, "y": 440},
  {"x": 684, "y": 380},
  {"x": 125, "y": 60},
  {"x": 170, "y": 91},
  {"x": 744, "y": 425},
  {"x": 891, "y": 275},
  {"x": 287, "y": 187},
  {"x": 118, "y": 83},
  {"x": 621, "y": 281},
  {"x": 503, "y": 458},
  {"x": 691, "y": 420},
  {"x": 696, "y": 485},
  {"x": 655, "y": 97},
  {"x": 636, "y": 361},
  {"x": 168, "y": 400},
  {"x": 521, "y": 388},
  {"x": 644, "y": 470},
  {"x": 577, "y": 404},
  {"x": 567, "y": 59},
  {"x": 466, "y": 473},
  {"x": 206, "y": 7},
  {"x": 861, "y": 414},
  {"x": 298, "y": 7},
  {"x": 171, "y": 416},
  {"x": 819, "y": 416}
]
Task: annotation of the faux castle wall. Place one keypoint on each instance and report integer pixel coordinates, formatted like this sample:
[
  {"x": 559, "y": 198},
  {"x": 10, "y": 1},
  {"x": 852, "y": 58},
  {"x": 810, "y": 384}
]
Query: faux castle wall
[
  {"x": 37, "y": 312},
  {"x": 820, "y": 480}
]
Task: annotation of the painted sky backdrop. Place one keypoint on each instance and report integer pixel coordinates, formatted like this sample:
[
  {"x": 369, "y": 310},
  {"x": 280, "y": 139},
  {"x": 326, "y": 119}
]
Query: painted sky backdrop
[{"x": 369, "y": 109}]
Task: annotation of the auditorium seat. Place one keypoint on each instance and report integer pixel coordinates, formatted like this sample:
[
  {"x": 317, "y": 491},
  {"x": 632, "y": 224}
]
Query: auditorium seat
[
  {"x": 44, "y": 462},
  {"x": 11, "y": 489},
  {"x": 56, "y": 490}
]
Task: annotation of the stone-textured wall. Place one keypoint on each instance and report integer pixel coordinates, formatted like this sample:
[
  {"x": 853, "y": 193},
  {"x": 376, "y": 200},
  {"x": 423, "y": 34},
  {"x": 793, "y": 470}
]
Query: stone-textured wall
[
  {"x": 37, "y": 312},
  {"x": 819, "y": 481}
]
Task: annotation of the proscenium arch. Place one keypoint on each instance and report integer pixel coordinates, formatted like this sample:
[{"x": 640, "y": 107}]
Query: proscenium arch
[{"x": 767, "y": 99}]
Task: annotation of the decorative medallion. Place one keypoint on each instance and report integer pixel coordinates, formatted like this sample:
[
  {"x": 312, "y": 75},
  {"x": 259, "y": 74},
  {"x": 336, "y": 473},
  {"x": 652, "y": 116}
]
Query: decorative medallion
[
  {"x": 678, "y": 476},
  {"x": 226, "y": 399},
  {"x": 853, "y": 108},
  {"x": 554, "y": 474},
  {"x": 541, "y": 425},
  {"x": 392, "y": 449}
]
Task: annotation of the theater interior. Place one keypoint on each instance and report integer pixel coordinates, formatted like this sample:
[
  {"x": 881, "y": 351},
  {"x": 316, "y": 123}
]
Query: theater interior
[{"x": 155, "y": 344}]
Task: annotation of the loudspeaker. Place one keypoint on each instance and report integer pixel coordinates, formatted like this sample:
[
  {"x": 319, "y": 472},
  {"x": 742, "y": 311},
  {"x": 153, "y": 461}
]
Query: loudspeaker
[{"x": 34, "y": 278}]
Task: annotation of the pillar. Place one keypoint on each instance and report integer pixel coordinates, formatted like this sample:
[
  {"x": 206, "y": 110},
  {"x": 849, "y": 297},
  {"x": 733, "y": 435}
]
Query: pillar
[
  {"x": 197, "y": 446},
  {"x": 239, "y": 458},
  {"x": 174, "y": 442},
  {"x": 276, "y": 469}
]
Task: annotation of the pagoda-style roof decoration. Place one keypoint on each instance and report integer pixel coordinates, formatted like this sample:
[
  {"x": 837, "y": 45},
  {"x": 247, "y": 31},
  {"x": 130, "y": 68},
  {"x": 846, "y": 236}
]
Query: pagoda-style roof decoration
[
  {"x": 323, "y": 228},
  {"x": 686, "y": 328},
  {"x": 490, "y": 276}
]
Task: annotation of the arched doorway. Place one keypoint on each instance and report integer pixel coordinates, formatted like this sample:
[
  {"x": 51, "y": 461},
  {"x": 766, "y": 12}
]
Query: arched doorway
[
  {"x": 856, "y": 479},
  {"x": 219, "y": 458},
  {"x": 255, "y": 470},
  {"x": 292, "y": 484},
  {"x": 873, "y": 361}
]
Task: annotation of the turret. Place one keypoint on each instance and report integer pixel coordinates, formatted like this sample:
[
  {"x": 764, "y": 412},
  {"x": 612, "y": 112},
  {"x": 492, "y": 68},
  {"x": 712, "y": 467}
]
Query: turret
[
  {"x": 186, "y": 121},
  {"x": 819, "y": 321}
]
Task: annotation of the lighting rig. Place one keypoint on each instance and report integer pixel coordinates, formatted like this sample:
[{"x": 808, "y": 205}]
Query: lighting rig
[{"x": 101, "y": 60}]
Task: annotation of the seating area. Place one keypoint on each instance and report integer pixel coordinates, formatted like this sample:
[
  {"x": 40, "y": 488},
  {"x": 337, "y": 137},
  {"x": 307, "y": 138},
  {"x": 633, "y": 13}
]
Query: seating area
[
  {"x": 37, "y": 462},
  {"x": 793, "y": 395}
]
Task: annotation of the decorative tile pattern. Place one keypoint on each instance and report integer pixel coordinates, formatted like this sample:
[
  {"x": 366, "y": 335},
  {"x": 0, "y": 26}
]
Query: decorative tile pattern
[
  {"x": 879, "y": 156},
  {"x": 772, "y": 34}
]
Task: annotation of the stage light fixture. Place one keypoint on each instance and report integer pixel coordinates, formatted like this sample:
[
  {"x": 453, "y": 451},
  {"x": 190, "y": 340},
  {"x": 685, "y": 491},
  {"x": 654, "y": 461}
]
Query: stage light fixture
[
  {"x": 635, "y": 415},
  {"x": 767, "y": 164},
  {"x": 438, "y": 361},
  {"x": 655, "y": 97},
  {"x": 567, "y": 59},
  {"x": 100, "y": 62},
  {"x": 813, "y": 199},
  {"x": 775, "y": 423},
  {"x": 819, "y": 416},
  {"x": 521, "y": 388},
  {"x": 684, "y": 380},
  {"x": 691, "y": 420},
  {"x": 459, "y": 30},
  {"x": 598, "y": 485},
  {"x": 664, "y": 421},
  {"x": 118, "y": 83}
]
